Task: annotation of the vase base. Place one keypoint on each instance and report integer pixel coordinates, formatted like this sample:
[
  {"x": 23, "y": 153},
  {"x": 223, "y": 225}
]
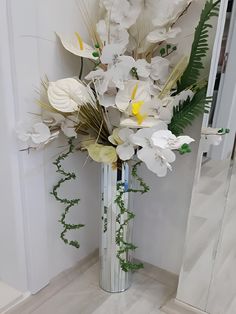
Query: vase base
[{"x": 115, "y": 291}]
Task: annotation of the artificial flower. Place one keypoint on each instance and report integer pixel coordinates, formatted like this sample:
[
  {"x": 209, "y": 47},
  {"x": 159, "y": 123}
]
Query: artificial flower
[
  {"x": 123, "y": 12},
  {"x": 68, "y": 94},
  {"x": 157, "y": 159},
  {"x": 143, "y": 68},
  {"x": 112, "y": 33},
  {"x": 68, "y": 127},
  {"x": 33, "y": 134},
  {"x": 165, "y": 139},
  {"x": 160, "y": 69},
  {"x": 169, "y": 11},
  {"x": 162, "y": 34},
  {"x": 118, "y": 70},
  {"x": 102, "y": 153},
  {"x": 115, "y": 138},
  {"x": 78, "y": 47},
  {"x": 134, "y": 92},
  {"x": 125, "y": 150}
]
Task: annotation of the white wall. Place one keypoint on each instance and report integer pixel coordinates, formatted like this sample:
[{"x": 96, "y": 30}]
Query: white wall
[{"x": 34, "y": 52}]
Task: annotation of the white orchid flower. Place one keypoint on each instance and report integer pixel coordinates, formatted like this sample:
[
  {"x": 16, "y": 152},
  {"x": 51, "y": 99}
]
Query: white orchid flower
[
  {"x": 68, "y": 94},
  {"x": 162, "y": 34},
  {"x": 157, "y": 160},
  {"x": 123, "y": 12},
  {"x": 78, "y": 47},
  {"x": 68, "y": 127},
  {"x": 160, "y": 69},
  {"x": 66, "y": 124},
  {"x": 112, "y": 33},
  {"x": 118, "y": 71},
  {"x": 168, "y": 12},
  {"x": 125, "y": 150},
  {"x": 143, "y": 68},
  {"x": 165, "y": 139},
  {"x": 33, "y": 134}
]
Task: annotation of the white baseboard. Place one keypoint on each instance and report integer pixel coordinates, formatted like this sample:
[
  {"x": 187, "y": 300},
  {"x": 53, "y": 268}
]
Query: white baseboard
[{"x": 177, "y": 307}]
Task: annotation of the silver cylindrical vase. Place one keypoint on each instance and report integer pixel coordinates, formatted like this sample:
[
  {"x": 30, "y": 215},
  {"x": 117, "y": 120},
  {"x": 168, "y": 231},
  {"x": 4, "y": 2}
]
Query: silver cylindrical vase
[{"x": 113, "y": 181}]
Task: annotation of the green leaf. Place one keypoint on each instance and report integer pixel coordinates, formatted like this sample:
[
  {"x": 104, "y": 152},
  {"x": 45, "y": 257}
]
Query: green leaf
[
  {"x": 200, "y": 47},
  {"x": 188, "y": 110}
]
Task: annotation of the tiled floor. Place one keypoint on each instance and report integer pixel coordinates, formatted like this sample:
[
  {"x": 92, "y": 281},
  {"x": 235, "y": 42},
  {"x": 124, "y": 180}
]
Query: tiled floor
[{"x": 77, "y": 292}]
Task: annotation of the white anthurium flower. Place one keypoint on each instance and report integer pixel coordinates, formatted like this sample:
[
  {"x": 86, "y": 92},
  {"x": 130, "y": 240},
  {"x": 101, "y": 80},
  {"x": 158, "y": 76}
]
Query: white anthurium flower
[
  {"x": 160, "y": 69},
  {"x": 123, "y": 12},
  {"x": 143, "y": 68},
  {"x": 102, "y": 153},
  {"x": 68, "y": 94},
  {"x": 34, "y": 134},
  {"x": 112, "y": 33},
  {"x": 76, "y": 46},
  {"x": 157, "y": 160},
  {"x": 165, "y": 139},
  {"x": 125, "y": 150},
  {"x": 162, "y": 34},
  {"x": 133, "y": 92}
]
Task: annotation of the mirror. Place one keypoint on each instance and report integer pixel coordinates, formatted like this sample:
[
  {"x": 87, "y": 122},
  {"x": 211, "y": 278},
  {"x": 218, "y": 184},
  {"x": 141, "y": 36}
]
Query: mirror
[{"x": 205, "y": 279}]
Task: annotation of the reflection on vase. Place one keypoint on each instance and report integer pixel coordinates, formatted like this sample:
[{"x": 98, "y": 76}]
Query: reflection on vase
[{"x": 112, "y": 277}]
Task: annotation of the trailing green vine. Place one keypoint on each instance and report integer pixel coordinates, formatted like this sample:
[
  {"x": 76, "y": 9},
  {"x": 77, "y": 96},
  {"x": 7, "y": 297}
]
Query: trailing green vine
[
  {"x": 67, "y": 176},
  {"x": 125, "y": 247}
]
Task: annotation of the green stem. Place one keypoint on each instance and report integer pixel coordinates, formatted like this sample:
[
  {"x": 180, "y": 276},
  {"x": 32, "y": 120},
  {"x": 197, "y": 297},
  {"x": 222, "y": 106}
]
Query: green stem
[
  {"x": 81, "y": 68},
  {"x": 125, "y": 247},
  {"x": 67, "y": 176}
]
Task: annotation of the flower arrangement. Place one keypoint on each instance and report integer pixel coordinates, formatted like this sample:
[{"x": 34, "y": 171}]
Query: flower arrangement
[{"x": 136, "y": 101}]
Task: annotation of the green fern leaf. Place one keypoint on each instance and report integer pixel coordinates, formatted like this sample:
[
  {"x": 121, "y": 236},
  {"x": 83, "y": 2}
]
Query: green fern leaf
[
  {"x": 188, "y": 110},
  {"x": 199, "y": 47}
]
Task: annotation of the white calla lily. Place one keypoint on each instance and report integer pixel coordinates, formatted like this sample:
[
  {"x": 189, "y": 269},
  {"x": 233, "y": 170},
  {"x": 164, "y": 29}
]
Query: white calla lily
[
  {"x": 68, "y": 94},
  {"x": 76, "y": 46}
]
